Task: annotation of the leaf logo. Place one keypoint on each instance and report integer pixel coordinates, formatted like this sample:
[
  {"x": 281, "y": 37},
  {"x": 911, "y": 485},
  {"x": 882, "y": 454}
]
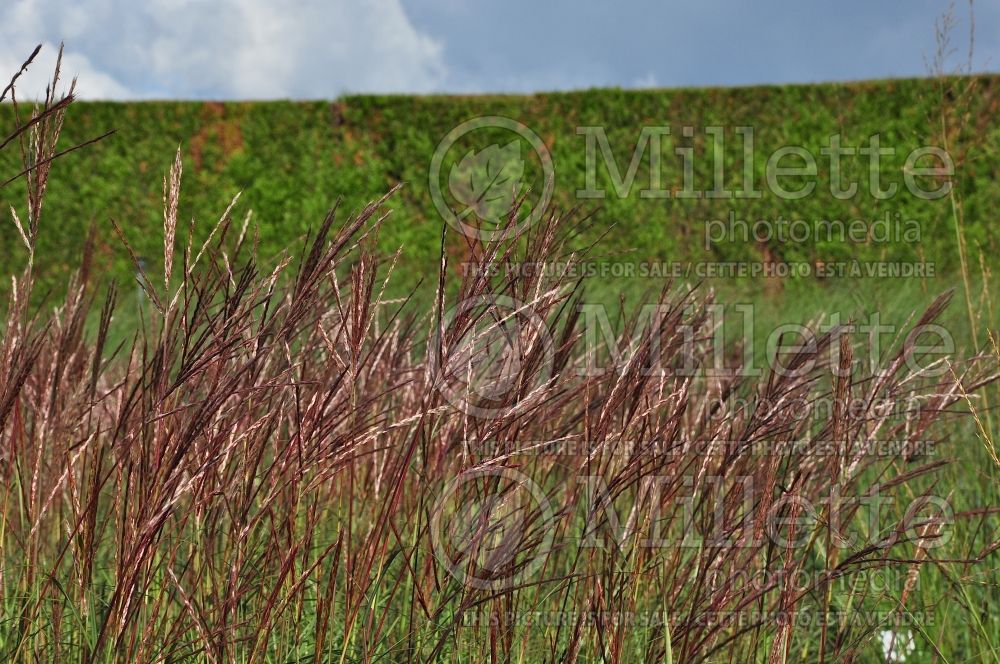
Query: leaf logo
[
  {"x": 476, "y": 195},
  {"x": 488, "y": 181}
]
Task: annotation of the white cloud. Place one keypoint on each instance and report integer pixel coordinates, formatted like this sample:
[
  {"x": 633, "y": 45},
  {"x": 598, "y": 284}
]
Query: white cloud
[
  {"x": 647, "y": 80},
  {"x": 92, "y": 84},
  {"x": 254, "y": 49},
  {"x": 243, "y": 49}
]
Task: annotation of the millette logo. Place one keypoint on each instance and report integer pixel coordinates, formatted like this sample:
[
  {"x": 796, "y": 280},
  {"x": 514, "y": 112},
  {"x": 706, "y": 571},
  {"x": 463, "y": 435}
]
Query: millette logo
[{"x": 482, "y": 168}]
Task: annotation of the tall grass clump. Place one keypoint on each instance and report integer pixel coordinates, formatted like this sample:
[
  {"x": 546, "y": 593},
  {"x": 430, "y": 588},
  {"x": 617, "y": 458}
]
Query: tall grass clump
[
  {"x": 954, "y": 120},
  {"x": 282, "y": 465}
]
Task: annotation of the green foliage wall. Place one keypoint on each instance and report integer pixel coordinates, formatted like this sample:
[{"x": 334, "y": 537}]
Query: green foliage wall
[{"x": 293, "y": 160}]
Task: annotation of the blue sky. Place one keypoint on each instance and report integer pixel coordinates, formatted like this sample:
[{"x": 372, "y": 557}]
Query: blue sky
[{"x": 266, "y": 49}]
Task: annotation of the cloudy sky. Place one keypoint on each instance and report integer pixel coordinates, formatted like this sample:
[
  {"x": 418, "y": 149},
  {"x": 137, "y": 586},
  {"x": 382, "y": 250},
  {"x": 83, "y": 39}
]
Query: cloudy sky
[{"x": 265, "y": 49}]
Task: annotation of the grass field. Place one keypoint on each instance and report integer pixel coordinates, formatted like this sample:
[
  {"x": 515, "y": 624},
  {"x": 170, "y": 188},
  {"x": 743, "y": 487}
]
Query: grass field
[{"x": 340, "y": 454}]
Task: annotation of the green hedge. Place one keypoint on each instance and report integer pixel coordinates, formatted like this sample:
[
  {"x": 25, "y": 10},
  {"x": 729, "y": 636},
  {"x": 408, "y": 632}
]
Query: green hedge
[{"x": 294, "y": 159}]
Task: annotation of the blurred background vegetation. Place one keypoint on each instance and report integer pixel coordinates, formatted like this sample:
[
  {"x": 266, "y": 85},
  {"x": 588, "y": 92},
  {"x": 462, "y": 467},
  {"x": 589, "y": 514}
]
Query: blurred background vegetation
[{"x": 293, "y": 160}]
